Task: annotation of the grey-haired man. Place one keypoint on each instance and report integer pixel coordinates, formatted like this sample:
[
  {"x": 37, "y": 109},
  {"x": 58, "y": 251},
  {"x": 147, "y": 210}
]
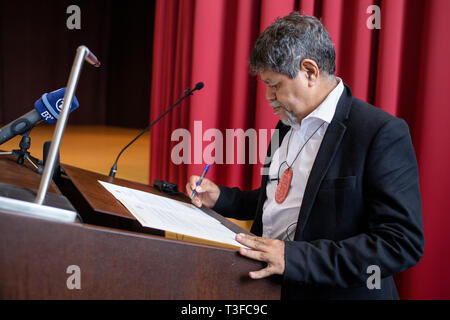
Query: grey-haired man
[{"x": 342, "y": 194}]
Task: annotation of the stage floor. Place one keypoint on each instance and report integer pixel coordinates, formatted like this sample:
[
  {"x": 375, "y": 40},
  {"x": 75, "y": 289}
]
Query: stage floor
[{"x": 95, "y": 148}]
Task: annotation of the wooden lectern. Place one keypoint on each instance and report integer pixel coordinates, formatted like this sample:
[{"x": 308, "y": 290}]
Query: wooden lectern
[{"x": 109, "y": 255}]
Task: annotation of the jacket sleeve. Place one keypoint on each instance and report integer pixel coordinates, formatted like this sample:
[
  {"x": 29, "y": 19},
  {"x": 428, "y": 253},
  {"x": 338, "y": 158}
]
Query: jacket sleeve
[
  {"x": 394, "y": 239},
  {"x": 237, "y": 204}
]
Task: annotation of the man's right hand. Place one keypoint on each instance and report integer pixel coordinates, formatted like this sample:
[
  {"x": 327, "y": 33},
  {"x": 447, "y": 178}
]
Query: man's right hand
[{"x": 207, "y": 193}]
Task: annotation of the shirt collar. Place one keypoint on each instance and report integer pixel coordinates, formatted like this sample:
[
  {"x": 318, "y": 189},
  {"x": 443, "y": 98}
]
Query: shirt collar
[{"x": 325, "y": 111}]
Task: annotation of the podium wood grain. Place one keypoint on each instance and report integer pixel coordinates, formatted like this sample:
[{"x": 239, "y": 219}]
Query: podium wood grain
[
  {"x": 21, "y": 175},
  {"x": 35, "y": 255}
]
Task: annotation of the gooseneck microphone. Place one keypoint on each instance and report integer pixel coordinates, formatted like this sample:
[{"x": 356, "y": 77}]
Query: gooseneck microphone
[
  {"x": 187, "y": 93},
  {"x": 47, "y": 109}
]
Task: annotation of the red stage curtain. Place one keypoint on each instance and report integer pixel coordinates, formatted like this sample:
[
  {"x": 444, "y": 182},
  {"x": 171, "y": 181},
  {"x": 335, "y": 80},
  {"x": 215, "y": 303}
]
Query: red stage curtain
[{"x": 402, "y": 68}]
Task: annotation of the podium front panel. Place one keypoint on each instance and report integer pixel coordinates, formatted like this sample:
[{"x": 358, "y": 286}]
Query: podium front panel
[{"x": 43, "y": 259}]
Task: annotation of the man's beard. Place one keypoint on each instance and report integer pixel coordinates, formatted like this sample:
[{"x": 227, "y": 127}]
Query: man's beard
[{"x": 291, "y": 120}]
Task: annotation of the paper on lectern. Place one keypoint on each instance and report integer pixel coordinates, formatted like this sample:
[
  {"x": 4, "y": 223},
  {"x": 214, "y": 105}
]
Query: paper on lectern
[{"x": 171, "y": 215}]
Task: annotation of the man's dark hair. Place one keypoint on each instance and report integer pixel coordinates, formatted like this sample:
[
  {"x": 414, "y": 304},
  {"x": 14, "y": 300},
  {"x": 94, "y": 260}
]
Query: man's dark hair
[{"x": 289, "y": 40}]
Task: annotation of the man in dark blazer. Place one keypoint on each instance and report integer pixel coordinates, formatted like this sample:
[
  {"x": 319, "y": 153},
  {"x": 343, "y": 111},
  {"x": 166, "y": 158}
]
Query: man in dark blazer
[{"x": 349, "y": 181}]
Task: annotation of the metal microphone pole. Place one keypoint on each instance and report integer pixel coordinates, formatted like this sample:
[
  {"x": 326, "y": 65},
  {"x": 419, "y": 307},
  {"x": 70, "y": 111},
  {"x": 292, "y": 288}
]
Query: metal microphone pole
[{"x": 82, "y": 54}]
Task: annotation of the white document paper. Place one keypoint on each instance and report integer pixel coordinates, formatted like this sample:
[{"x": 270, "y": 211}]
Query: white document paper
[{"x": 171, "y": 215}]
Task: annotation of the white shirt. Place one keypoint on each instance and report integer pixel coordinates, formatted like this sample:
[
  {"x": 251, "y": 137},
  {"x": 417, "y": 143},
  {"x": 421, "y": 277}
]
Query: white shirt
[{"x": 280, "y": 220}]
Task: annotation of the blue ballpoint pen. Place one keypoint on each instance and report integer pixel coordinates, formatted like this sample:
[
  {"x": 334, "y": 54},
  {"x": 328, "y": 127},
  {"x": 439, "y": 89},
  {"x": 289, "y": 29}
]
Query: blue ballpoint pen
[{"x": 199, "y": 182}]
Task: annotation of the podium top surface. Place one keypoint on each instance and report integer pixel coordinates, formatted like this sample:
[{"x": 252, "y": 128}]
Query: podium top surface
[
  {"x": 103, "y": 201},
  {"x": 24, "y": 175},
  {"x": 96, "y": 195},
  {"x": 21, "y": 182}
]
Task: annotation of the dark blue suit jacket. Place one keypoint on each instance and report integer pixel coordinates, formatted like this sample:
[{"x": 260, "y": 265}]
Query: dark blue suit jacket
[{"x": 361, "y": 207}]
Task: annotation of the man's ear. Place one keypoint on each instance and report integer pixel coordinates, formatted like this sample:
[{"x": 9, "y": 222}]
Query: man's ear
[{"x": 310, "y": 70}]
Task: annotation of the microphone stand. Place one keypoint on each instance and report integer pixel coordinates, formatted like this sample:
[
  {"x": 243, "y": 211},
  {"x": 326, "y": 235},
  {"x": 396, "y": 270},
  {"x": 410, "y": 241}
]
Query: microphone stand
[
  {"x": 23, "y": 153},
  {"x": 82, "y": 54},
  {"x": 36, "y": 208},
  {"x": 187, "y": 92}
]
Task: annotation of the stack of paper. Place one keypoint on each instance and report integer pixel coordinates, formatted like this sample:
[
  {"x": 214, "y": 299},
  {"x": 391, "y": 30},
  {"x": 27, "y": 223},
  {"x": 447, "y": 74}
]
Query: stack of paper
[{"x": 171, "y": 215}]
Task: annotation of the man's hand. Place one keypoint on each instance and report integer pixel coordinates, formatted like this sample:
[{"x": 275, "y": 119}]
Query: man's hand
[
  {"x": 270, "y": 251},
  {"x": 207, "y": 193}
]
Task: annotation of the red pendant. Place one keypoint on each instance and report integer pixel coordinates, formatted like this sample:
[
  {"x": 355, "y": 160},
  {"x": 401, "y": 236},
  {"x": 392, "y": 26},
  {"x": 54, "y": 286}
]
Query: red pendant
[{"x": 283, "y": 186}]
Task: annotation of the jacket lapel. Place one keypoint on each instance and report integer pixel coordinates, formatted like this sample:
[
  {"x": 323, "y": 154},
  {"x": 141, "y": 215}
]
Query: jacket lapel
[{"x": 325, "y": 156}]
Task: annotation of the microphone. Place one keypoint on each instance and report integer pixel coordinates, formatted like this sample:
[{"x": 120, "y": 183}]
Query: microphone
[
  {"x": 47, "y": 109},
  {"x": 187, "y": 92},
  {"x": 198, "y": 86}
]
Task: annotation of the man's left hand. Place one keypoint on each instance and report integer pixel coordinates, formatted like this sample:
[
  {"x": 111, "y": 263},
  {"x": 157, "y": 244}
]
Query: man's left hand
[{"x": 270, "y": 251}]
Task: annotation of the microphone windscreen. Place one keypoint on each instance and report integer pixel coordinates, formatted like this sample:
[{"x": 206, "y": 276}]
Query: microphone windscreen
[
  {"x": 199, "y": 86},
  {"x": 50, "y": 104}
]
